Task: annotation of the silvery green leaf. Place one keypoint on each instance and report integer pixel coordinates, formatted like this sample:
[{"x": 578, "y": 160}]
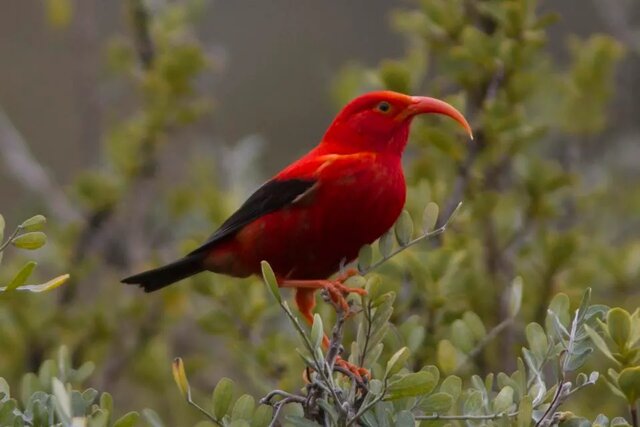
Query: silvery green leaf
[
  {"x": 438, "y": 403},
  {"x": 473, "y": 404},
  {"x": 452, "y": 385},
  {"x": 503, "y": 400},
  {"x": 414, "y": 384},
  {"x": 317, "y": 331},
  {"x": 619, "y": 326},
  {"x": 365, "y": 256},
  {"x": 537, "y": 339},
  {"x": 397, "y": 361},
  {"x": 461, "y": 336},
  {"x": 385, "y": 244},
  {"x": 430, "y": 216},
  {"x": 525, "y": 410},
  {"x": 2, "y": 226},
  {"x": 243, "y": 408},
  {"x": 270, "y": 279},
  {"x": 222, "y": 397},
  {"x": 515, "y": 297},
  {"x": 475, "y": 324},
  {"x": 30, "y": 241},
  {"x": 35, "y": 223},
  {"x": 21, "y": 277},
  {"x": 127, "y": 420},
  {"x": 404, "y": 228},
  {"x": 152, "y": 418}
]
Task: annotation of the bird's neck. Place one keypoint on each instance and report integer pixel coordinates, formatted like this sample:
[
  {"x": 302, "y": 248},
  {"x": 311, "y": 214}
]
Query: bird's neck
[{"x": 348, "y": 140}]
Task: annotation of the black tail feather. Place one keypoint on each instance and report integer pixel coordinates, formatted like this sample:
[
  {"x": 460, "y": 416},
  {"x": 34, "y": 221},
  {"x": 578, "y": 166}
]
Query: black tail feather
[{"x": 160, "y": 277}]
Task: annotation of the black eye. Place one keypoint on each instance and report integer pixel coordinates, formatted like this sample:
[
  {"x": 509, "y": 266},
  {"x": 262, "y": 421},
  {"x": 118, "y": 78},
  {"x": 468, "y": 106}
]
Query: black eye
[{"x": 383, "y": 107}]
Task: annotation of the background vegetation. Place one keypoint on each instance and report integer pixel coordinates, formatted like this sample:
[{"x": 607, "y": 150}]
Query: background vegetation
[{"x": 550, "y": 199}]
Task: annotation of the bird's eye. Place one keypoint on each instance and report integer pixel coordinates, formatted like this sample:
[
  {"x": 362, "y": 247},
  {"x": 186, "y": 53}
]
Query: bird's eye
[{"x": 383, "y": 107}]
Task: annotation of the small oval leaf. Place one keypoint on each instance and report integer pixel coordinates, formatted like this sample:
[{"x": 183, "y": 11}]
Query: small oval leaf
[
  {"x": 404, "y": 228},
  {"x": 30, "y": 241}
]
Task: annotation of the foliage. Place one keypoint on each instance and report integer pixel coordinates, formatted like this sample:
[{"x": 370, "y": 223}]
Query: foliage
[
  {"x": 47, "y": 398},
  {"x": 443, "y": 327},
  {"x": 27, "y": 236}
]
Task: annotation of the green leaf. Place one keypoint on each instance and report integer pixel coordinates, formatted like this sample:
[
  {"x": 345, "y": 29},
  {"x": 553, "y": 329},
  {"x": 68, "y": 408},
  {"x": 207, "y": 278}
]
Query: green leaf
[
  {"x": 2, "y": 226},
  {"x": 262, "y": 416},
  {"x": 397, "y": 361},
  {"x": 525, "y": 410},
  {"x": 475, "y": 324},
  {"x": 515, "y": 297},
  {"x": 22, "y": 276},
  {"x": 365, "y": 256},
  {"x": 438, "y": 403},
  {"x": 461, "y": 336},
  {"x": 317, "y": 331},
  {"x": 600, "y": 343},
  {"x": 629, "y": 383},
  {"x": 447, "y": 356},
  {"x": 405, "y": 418},
  {"x": 619, "y": 326},
  {"x": 152, "y": 418},
  {"x": 409, "y": 385},
  {"x": 385, "y": 244},
  {"x": 63, "y": 399},
  {"x": 222, "y": 397},
  {"x": 129, "y": 419},
  {"x": 30, "y": 241},
  {"x": 270, "y": 279},
  {"x": 503, "y": 400},
  {"x": 35, "y": 223},
  {"x": 619, "y": 422},
  {"x": 243, "y": 408},
  {"x": 404, "y": 228},
  {"x": 430, "y": 216},
  {"x": 452, "y": 385},
  {"x": 473, "y": 403},
  {"x": 44, "y": 287},
  {"x": 537, "y": 339}
]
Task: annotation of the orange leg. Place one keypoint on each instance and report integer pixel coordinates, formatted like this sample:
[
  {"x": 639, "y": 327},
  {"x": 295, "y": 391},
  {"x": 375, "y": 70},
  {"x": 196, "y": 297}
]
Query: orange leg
[
  {"x": 335, "y": 288},
  {"x": 305, "y": 300}
]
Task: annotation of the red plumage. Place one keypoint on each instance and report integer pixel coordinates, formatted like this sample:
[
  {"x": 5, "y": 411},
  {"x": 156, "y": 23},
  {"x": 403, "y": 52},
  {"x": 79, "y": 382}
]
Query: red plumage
[{"x": 315, "y": 214}]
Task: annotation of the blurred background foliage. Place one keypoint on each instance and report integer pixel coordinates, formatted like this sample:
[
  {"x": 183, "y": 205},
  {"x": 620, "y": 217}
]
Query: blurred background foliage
[{"x": 549, "y": 185}]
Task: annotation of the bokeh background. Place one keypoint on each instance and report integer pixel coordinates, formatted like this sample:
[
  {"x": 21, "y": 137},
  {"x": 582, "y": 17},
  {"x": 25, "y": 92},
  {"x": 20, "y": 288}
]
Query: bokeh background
[{"x": 141, "y": 160}]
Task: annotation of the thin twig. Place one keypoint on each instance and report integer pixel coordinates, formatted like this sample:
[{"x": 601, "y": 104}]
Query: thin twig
[
  {"x": 413, "y": 242},
  {"x": 465, "y": 417},
  {"x": 10, "y": 238},
  {"x": 493, "y": 333}
]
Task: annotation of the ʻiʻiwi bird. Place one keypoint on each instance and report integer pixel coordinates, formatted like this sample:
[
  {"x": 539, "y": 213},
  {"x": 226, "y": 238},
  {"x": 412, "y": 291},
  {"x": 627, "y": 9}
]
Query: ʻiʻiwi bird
[{"x": 315, "y": 214}]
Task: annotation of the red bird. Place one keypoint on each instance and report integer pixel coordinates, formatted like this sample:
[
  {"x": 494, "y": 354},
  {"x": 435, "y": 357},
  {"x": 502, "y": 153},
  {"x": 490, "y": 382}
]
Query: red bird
[{"x": 317, "y": 213}]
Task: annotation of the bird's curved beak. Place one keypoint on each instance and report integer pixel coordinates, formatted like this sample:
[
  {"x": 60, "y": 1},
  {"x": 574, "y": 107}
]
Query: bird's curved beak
[{"x": 426, "y": 105}]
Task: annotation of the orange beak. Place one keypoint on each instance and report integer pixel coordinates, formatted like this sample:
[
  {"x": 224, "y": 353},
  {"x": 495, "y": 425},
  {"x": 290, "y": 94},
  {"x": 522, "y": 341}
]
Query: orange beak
[{"x": 426, "y": 105}]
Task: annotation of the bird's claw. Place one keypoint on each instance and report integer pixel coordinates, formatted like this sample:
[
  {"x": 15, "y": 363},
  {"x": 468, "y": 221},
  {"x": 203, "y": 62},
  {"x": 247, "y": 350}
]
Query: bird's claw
[
  {"x": 338, "y": 291},
  {"x": 359, "y": 372}
]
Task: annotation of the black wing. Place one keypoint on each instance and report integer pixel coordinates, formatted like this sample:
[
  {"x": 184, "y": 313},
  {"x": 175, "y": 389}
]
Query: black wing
[{"x": 270, "y": 197}]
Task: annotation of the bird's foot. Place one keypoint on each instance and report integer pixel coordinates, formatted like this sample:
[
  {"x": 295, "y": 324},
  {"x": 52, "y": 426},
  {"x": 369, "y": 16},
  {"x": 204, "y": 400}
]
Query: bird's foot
[
  {"x": 338, "y": 292},
  {"x": 358, "y": 372}
]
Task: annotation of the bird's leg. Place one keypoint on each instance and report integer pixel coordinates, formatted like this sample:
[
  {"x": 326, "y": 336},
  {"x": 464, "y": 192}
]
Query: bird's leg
[
  {"x": 335, "y": 288},
  {"x": 305, "y": 300}
]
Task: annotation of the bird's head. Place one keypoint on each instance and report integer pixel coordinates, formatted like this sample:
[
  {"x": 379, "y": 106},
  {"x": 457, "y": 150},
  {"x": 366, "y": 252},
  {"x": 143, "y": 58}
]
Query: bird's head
[{"x": 379, "y": 121}]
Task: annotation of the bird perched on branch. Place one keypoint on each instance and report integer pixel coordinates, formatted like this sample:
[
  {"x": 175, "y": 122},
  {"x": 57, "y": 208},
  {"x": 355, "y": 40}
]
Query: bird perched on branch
[{"x": 315, "y": 214}]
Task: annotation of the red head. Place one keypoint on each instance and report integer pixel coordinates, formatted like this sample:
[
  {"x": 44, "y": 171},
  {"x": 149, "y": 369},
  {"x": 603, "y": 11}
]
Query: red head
[{"x": 379, "y": 121}]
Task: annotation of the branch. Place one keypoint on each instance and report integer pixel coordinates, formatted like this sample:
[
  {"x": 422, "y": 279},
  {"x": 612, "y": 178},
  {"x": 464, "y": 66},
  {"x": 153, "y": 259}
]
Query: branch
[
  {"x": 27, "y": 171},
  {"x": 465, "y": 417},
  {"x": 413, "y": 242}
]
